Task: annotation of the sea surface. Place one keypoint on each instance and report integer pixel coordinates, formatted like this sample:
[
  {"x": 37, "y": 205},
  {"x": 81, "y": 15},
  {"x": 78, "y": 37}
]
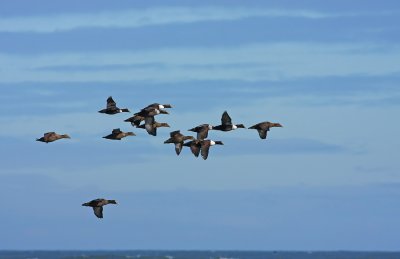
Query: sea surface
[{"x": 194, "y": 255}]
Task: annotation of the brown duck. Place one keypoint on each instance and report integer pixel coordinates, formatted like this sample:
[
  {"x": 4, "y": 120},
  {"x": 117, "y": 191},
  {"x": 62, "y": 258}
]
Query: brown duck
[
  {"x": 97, "y": 206},
  {"x": 177, "y": 138},
  {"x": 202, "y": 130},
  {"x": 112, "y": 107},
  {"x": 263, "y": 127},
  {"x": 151, "y": 125},
  {"x": 117, "y": 134},
  {"x": 52, "y": 136}
]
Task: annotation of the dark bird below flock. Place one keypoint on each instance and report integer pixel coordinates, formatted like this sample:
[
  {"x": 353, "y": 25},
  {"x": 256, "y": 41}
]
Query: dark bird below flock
[
  {"x": 117, "y": 134},
  {"x": 200, "y": 145},
  {"x": 52, "y": 136},
  {"x": 97, "y": 206}
]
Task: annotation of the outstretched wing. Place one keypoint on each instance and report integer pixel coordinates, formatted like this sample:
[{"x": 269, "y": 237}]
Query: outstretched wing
[
  {"x": 205, "y": 147},
  {"x": 195, "y": 148},
  {"x": 203, "y": 133},
  {"x": 98, "y": 211},
  {"x": 226, "y": 119},
  {"x": 110, "y": 103},
  {"x": 178, "y": 148},
  {"x": 47, "y": 134},
  {"x": 262, "y": 133},
  {"x": 149, "y": 125},
  {"x": 116, "y": 131},
  {"x": 174, "y": 133}
]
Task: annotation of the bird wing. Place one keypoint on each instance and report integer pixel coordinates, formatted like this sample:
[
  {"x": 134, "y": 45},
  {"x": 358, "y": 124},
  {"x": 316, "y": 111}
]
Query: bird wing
[
  {"x": 203, "y": 133},
  {"x": 226, "y": 119},
  {"x": 262, "y": 133},
  {"x": 195, "y": 148},
  {"x": 116, "y": 131},
  {"x": 98, "y": 211},
  {"x": 47, "y": 134},
  {"x": 178, "y": 147},
  {"x": 110, "y": 103},
  {"x": 149, "y": 125},
  {"x": 174, "y": 133},
  {"x": 205, "y": 147}
]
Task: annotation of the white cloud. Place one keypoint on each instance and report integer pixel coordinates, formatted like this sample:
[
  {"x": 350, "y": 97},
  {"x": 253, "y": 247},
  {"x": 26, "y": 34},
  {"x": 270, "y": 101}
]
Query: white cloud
[
  {"x": 255, "y": 62},
  {"x": 143, "y": 17}
]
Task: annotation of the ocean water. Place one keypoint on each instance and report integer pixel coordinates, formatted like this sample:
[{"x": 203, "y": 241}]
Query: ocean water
[{"x": 194, "y": 255}]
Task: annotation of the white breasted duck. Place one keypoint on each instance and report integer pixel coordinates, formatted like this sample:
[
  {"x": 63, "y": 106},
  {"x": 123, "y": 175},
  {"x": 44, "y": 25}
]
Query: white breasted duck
[
  {"x": 205, "y": 146},
  {"x": 177, "y": 138},
  {"x": 112, "y": 107},
  {"x": 202, "y": 130},
  {"x": 52, "y": 136},
  {"x": 263, "y": 127},
  {"x": 226, "y": 123},
  {"x": 97, "y": 206},
  {"x": 117, "y": 134}
]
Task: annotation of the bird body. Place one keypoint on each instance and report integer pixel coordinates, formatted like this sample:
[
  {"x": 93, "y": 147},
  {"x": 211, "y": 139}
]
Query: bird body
[
  {"x": 52, "y": 136},
  {"x": 202, "y": 130},
  {"x": 205, "y": 147},
  {"x": 140, "y": 116},
  {"x": 177, "y": 138},
  {"x": 117, "y": 134},
  {"x": 226, "y": 123},
  {"x": 264, "y": 127},
  {"x": 112, "y": 107},
  {"x": 151, "y": 125},
  {"x": 159, "y": 106},
  {"x": 97, "y": 206}
]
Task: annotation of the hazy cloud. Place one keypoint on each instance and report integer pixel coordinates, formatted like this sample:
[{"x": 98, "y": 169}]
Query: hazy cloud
[
  {"x": 145, "y": 17},
  {"x": 250, "y": 63}
]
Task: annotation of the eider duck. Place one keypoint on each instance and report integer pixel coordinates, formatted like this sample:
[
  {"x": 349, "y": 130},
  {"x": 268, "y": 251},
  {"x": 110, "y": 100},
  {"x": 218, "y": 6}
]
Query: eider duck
[
  {"x": 177, "y": 138},
  {"x": 205, "y": 146},
  {"x": 138, "y": 117},
  {"x": 194, "y": 145},
  {"x": 226, "y": 123},
  {"x": 97, "y": 206},
  {"x": 112, "y": 107},
  {"x": 117, "y": 134},
  {"x": 263, "y": 127},
  {"x": 52, "y": 136},
  {"x": 202, "y": 130},
  {"x": 151, "y": 125}
]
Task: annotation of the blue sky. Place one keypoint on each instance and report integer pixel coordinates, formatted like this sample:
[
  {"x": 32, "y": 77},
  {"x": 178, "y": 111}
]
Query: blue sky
[{"x": 327, "y": 70}]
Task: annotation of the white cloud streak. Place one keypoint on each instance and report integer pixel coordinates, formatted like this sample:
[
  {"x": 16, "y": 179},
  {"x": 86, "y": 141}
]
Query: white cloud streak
[
  {"x": 143, "y": 17},
  {"x": 256, "y": 62}
]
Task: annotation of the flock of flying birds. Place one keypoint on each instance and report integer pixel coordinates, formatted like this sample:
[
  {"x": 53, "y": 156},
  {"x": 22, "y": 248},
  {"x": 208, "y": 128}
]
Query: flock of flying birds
[{"x": 198, "y": 145}]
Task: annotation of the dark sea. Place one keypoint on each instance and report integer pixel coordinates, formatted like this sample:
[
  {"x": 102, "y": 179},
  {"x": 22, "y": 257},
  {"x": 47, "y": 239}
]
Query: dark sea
[{"x": 194, "y": 255}]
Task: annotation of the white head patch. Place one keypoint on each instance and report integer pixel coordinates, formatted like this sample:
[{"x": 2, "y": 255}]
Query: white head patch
[
  {"x": 234, "y": 126},
  {"x": 161, "y": 106},
  {"x": 210, "y": 126},
  {"x": 212, "y": 143}
]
